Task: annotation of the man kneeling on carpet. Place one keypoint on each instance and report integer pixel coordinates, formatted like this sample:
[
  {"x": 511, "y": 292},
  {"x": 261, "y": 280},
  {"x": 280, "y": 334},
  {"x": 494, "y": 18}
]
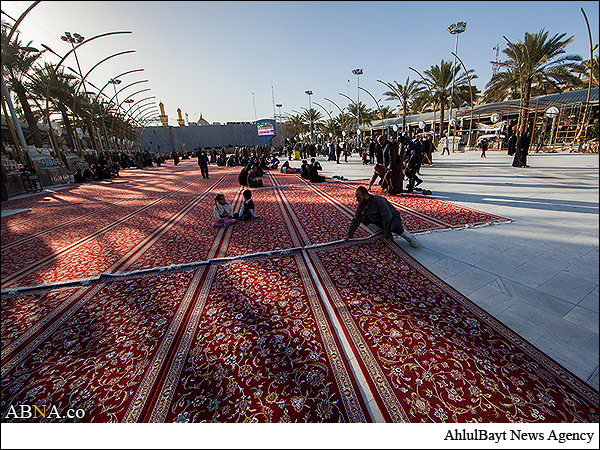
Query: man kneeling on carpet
[
  {"x": 223, "y": 212},
  {"x": 376, "y": 210},
  {"x": 247, "y": 211}
]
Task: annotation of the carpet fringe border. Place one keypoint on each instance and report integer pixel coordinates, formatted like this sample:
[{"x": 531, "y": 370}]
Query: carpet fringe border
[{"x": 182, "y": 267}]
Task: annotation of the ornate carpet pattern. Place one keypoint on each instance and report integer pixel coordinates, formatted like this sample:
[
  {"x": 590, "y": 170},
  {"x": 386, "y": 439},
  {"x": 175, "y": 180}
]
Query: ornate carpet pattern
[{"x": 121, "y": 299}]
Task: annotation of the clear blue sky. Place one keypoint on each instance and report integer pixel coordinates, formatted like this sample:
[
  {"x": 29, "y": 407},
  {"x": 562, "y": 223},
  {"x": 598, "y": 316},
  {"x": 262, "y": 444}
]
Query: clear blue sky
[{"x": 210, "y": 57}]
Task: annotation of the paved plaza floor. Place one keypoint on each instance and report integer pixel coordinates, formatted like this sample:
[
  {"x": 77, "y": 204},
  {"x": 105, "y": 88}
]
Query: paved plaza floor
[{"x": 537, "y": 274}]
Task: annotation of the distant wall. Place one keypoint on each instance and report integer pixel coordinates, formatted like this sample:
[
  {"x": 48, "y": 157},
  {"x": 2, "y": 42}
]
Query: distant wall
[{"x": 166, "y": 139}]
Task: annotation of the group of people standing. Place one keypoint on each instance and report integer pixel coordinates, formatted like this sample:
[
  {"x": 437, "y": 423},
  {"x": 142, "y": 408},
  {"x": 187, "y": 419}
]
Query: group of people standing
[{"x": 397, "y": 161}]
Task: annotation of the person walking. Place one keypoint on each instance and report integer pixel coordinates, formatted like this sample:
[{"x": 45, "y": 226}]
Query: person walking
[
  {"x": 372, "y": 149},
  {"x": 445, "y": 145},
  {"x": 376, "y": 210},
  {"x": 394, "y": 177},
  {"x": 512, "y": 145},
  {"x": 428, "y": 150},
  {"x": 202, "y": 162},
  {"x": 522, "y": 149},
  {"x": 175, "y": 156},
  {"x": 413, "y": 162},
  {"x": 483, "y": 146}
]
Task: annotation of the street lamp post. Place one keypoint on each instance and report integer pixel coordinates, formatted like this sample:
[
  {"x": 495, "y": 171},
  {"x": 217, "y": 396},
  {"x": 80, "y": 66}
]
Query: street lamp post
[
  {"x": 77, "y": 39},
  {"x": 114, "y": 82},
  {"x": 118, "y": 106},
  {"x": 309, "y": 93},
  {"x": 55, "y": 70},
  {"x": 124, "y": 145},
  {"x": 279, "y": 105},
  {"x": 329, "y": 114},
  {"x": 344, "y": 95},
  {"x": 378, "y": 106},
  {"x": 82, "y": 84},
  {"x": 74, "y": 39},
  {"x": 426, "y": 83},
  {"x": 587, "y": 102},
  {"x": 343, "y": 119},
  {"x": 471, "y": 93},
  {"x": 455, "y": 28},
  {"x": 358, "y": 73},
  {"x": 117, "y": 101}
]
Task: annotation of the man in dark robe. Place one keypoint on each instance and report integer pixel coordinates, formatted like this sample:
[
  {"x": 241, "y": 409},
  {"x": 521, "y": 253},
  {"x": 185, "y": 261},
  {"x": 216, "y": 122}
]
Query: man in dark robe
[
  {"x": 202, "y": 162},
  {"x": 413, "y": 155},
  {"x": 313, "y": 171},
  {"x": 520, "y": 159},
  {"x": 512, "y": 144},
  {"x": 394, "y": 177},
  {"x": 378, "y": 212}
]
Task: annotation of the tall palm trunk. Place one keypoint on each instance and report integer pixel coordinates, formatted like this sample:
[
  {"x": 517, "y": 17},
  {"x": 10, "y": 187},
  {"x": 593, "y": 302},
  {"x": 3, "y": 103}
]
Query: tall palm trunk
[
  {"x": 524, "y": 114},
  {"x": 442, "y": 107},
  {"x": 68, "y": 127},
  {"x": 36, "y": 135}
]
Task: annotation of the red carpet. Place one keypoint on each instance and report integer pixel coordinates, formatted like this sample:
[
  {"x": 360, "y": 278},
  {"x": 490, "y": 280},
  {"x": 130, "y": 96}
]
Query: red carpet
[{"x": 257, "y": 322}]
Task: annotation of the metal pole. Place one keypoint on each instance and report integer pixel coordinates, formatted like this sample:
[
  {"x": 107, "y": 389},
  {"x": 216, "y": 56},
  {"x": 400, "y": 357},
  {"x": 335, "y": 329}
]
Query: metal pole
[
  {"x": 587, "y": 102},
  {"x": 358, "y": 112},
  {"x": 537, "y": 103},
  {"x": 343, "y": 119},
  {"x": 330, "y": 118},
  {"x": 432, "y": 100},
  {"x": 471, "y": 92},
  {"x": 378, "y": 106},
  {"x": 452, "y": 91},
  {"x": 13, "y": 134},
  {"x": 13, "y": 115},
  {"x": 54, "y": 74}
]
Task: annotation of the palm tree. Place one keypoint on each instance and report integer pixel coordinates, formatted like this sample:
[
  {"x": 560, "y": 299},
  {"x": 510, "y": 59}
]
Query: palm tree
[
  {"x": 331, "y": 126},
  {"x": 366, "y": 114},
  {"x": 312, "y": 117},
  {"x": 584, "y": 70},
  {"x": 387, "y": 112},
  {"x": 405, "y": 94},
  {"x": 18, "y": 60},
  {"x": 295, "y": 124},
  {"x": 61, "y": 94},
  {"x": 536, "y": 61},
  {"x": 505, "y": 86},
  {"x": 440, "y": 78}
]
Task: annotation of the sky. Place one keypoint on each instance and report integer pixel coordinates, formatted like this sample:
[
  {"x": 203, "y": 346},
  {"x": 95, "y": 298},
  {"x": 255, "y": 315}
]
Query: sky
[{"x": 233, "y": 61}]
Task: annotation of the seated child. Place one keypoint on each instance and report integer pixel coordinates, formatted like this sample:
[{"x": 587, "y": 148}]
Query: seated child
[
  {"x": 274, "y": 163},
  {"x": 247, "y": 211},
  {"x": 253, "y": 180},
  {"x": 223, "y": 212},
  {"x": 304, "y": 169}
]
